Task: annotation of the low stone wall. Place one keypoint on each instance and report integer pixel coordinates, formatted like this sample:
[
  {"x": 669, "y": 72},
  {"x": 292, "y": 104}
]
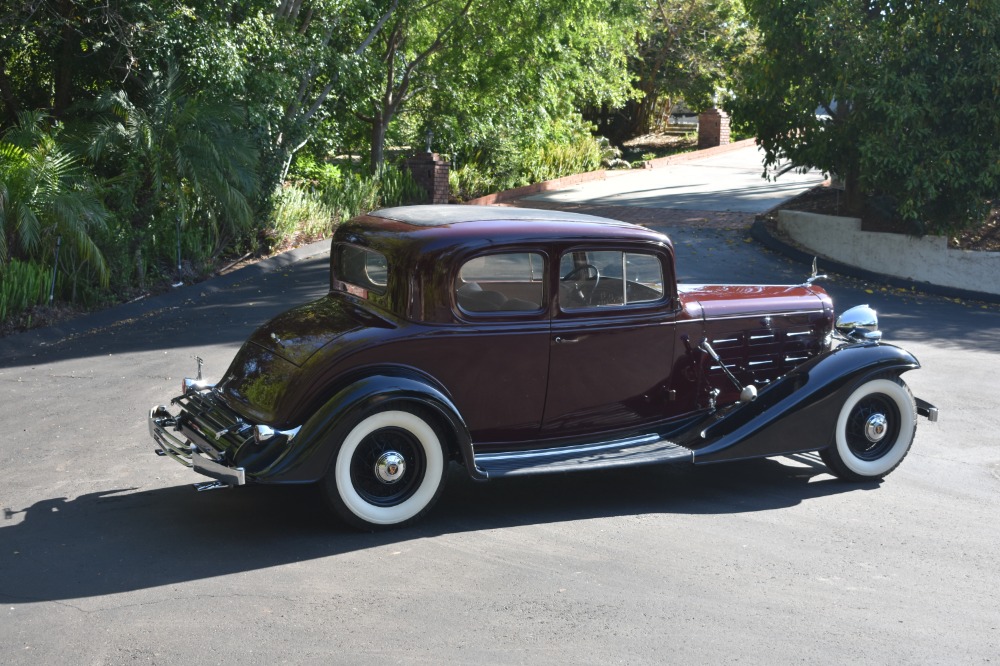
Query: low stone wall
[{"x": 927, "y": 259}]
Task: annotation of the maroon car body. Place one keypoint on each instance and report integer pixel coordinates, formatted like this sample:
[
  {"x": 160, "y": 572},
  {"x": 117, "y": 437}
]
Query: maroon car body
[{"x": 515, "y": 341}]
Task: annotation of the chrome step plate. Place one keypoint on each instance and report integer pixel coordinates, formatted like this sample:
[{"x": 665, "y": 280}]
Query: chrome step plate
[{"x": 645, "y": 450}]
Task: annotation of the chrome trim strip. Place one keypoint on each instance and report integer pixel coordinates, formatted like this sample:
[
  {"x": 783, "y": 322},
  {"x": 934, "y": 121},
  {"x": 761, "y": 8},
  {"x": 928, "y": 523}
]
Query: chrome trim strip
[
  {"x": 569, "y": 450},
  {"x": 746, "y": 315}
]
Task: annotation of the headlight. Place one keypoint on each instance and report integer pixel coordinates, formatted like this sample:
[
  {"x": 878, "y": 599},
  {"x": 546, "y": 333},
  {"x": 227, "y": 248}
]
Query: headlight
[{"x": 859, "y": 323}]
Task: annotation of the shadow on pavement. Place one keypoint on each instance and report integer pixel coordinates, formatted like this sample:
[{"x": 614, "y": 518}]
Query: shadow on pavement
[{"x": 120, "y": 540}]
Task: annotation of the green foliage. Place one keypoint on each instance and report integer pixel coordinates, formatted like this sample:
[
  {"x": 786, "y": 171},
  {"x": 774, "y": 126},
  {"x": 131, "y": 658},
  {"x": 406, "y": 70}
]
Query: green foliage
[
  {"x": 22, "y": 285},
  {"x": 686, "y": 49},
  {"x": 359, "y": 193},
  {"x": 325, "y": 194},
  {"x": 209, "y": 124},
  {"x": 44, "y": 194},
  {"x": 560, "y": 147},
  {"x": 909, "y": 91},
  {"x": 323, "y": 176},
  {"x": 178, "y": 161},
  {"x": 298, "y": 214},
  {"x": 396, "y": 187}
]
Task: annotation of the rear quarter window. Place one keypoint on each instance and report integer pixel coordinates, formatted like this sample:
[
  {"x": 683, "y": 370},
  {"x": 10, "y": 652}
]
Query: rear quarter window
[{"x": 361, "y": 268}]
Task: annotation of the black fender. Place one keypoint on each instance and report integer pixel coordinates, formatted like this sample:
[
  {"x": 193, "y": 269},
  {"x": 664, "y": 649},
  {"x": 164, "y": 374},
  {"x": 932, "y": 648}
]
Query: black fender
[
  {"x": 797, "y": 412},
  {"x": 311, "y": 452}
]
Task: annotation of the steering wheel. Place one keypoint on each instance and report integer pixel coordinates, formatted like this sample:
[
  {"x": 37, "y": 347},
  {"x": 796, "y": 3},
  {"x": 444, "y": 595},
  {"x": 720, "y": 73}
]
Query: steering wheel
[{"x": 587, "y": 272}]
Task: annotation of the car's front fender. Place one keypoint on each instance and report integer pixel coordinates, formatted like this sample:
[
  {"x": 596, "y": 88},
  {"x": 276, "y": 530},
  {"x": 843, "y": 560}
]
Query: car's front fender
[
  {"x": 310, "y": 453},
  {"x": 797, "y": 412}
]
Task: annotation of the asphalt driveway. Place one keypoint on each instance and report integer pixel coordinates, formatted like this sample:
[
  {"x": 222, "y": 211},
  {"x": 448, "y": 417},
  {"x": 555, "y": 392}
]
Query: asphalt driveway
[{"x": 107, "y": 556}]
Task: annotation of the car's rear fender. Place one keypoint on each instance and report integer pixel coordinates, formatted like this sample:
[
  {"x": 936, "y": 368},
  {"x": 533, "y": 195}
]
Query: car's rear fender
[
  {"x": 316, "y": 444},
  {"x": 798, "y": 412}
]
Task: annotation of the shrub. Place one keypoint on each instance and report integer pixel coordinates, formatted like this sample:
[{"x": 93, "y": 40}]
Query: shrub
[
  {"x": 22, "y": 285},
  {"x": 298, "y": 215}
]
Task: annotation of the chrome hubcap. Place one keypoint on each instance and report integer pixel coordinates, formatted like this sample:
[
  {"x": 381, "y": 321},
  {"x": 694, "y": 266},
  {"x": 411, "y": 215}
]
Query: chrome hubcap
[
  {"x": 390, "y": 467},
  {"x": 876, "y": 427}
]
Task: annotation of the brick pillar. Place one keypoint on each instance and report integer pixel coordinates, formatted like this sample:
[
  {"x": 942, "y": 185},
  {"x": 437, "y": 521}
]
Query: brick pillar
[
  {"x": 431, "y": 173},
  {"x": 713, "y": 128}
]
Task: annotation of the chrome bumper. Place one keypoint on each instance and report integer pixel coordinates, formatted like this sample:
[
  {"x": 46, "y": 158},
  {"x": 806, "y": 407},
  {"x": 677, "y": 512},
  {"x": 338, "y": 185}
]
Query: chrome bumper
[
  {"x": 927, "y": 410},
  {"x": 173, "y": 442}
]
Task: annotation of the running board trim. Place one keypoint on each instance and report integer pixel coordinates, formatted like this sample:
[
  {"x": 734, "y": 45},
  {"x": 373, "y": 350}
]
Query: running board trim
[{"x": 644, "y": 450}]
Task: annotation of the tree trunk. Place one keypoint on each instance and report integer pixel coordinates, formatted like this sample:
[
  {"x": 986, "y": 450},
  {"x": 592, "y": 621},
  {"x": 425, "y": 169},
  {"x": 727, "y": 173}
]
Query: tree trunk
[
  {"x": 69, "y": 47},
  {"x": 853, "y": 196},
  {"x": 379, "y": 125},
  {"x": 7, "y": 94}
]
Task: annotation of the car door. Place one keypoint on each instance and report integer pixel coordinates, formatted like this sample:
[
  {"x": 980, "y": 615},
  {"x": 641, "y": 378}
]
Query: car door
[
  {"x": 496, "y": 357},
  {"x": 611, "y": 343}
]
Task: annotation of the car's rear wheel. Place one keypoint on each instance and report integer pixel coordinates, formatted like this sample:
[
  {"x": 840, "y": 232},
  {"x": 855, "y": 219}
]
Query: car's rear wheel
[
  {"x": 875, "y": 429},
  {"x": 388, "y": 472}
]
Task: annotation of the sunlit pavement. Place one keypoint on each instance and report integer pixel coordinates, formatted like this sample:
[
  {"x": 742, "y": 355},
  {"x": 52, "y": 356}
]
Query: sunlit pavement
[{"x": 731, "y": 181}]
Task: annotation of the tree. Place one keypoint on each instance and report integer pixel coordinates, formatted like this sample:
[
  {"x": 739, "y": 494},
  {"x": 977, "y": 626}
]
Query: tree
[
  {"x": 418, "y": 32},
  {"x": 687, "y": 50},
  {"x": 52, "y": 52},
  {"x": 177, "y": 156},
  {"x": 501, "y": 72},
  {"x": 907, "y": 94}
]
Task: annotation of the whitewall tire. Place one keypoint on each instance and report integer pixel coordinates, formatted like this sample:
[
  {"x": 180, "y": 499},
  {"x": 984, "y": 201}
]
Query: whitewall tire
[
  {"x": 875, "y": 429},
  {"x": 388, "y": 471}
]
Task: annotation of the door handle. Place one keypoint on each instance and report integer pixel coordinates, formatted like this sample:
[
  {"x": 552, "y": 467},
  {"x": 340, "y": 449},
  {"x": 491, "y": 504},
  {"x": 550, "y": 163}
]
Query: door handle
[{"x": 561, "y": 340}]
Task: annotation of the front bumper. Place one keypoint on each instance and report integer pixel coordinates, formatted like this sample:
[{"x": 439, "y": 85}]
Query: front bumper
[{"x": 927, "y": 410}]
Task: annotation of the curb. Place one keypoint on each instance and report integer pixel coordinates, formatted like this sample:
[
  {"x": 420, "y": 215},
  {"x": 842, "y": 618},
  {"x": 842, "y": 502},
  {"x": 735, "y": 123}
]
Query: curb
[
  {"x": 760, "y": 233},
  {"x": 15, "y": 345}
]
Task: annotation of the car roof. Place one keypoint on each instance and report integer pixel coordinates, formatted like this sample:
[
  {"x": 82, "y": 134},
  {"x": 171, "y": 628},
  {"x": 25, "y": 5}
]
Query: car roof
[
  {"x": 439, "y": 215},
  {"x": 438, "y": 226}
]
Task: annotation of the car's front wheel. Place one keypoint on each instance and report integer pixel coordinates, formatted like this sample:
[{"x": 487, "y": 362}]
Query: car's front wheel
[
  {"x": 389, "y": 471},
  {"x": 875, "y": 429}
]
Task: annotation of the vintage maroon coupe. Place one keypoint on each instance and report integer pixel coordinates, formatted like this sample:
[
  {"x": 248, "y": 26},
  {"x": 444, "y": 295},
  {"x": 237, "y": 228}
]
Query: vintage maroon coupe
[{"x": 516, "y": 341}]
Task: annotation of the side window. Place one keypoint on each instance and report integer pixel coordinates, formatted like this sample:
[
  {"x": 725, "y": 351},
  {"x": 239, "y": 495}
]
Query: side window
[
  {"x": 609, "y": 278},
  {"x": 503, "y": 282},
  {"x": 362, "y": 267}
]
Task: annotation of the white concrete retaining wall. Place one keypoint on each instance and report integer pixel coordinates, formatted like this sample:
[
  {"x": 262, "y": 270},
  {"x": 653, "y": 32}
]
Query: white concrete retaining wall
[{"x": 927, "y": 259}]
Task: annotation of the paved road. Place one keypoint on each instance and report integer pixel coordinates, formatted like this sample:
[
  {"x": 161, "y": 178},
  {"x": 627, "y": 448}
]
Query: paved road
[
  {"x": 730, "y": 181},
  {"x": 108, "y": 557}
]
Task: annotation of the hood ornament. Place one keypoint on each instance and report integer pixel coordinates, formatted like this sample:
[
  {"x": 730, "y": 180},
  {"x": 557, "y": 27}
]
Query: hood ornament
[{"x": 814, "y": 275}]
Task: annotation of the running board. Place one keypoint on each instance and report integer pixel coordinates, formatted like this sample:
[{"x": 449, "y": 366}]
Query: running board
[{"x": 645, "y": 450}]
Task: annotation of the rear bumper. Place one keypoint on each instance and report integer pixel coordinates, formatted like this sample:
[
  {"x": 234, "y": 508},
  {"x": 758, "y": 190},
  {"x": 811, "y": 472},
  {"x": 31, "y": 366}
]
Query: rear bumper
[{"x": 184, "y": 445}]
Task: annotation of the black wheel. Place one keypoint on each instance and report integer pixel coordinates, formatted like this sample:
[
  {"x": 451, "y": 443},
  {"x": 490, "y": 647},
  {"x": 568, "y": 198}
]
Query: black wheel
[
  {"x": 875, "y": 429},
  {"x": 388, "y": 472}
]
